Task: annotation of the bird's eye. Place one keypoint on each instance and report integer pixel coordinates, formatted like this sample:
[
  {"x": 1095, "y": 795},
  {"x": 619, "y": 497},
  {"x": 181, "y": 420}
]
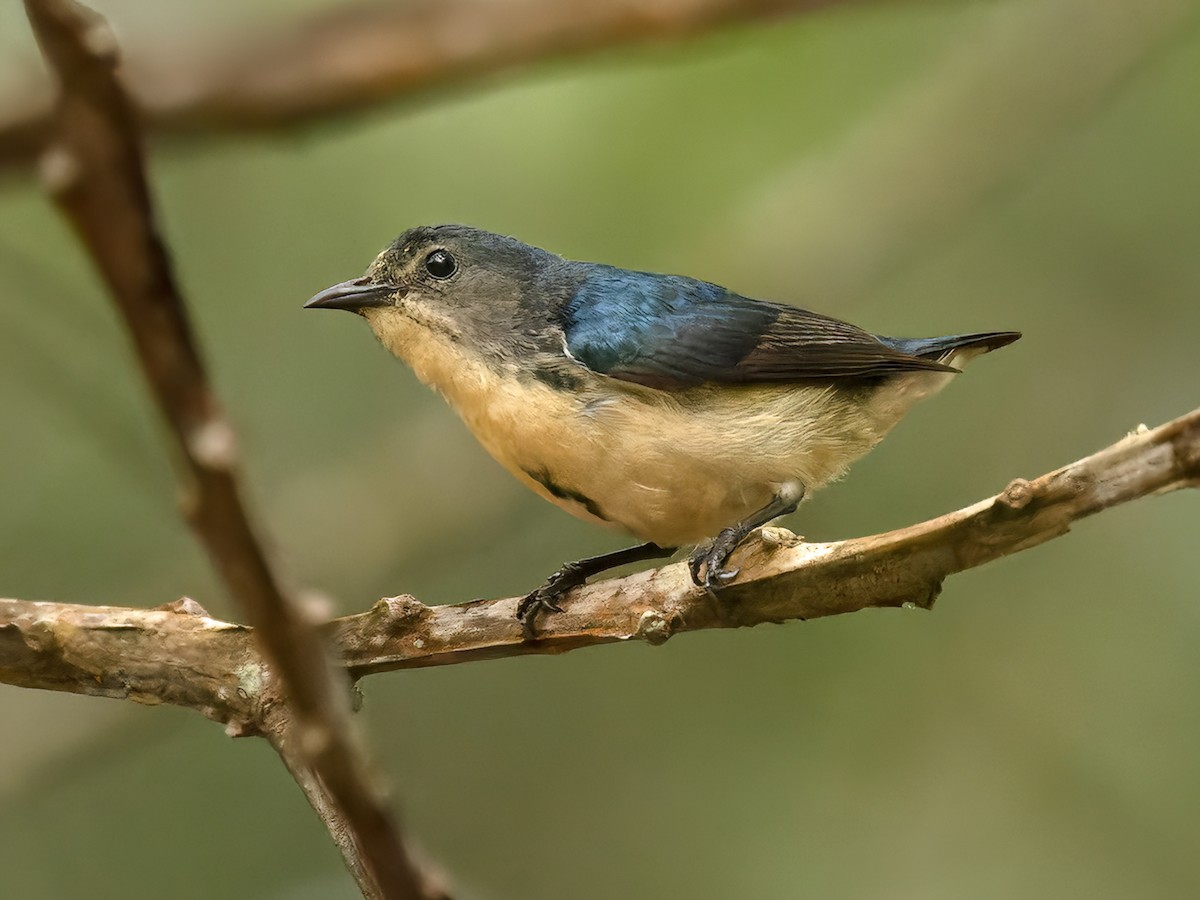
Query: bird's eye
[{"x": 440, "y": 264}]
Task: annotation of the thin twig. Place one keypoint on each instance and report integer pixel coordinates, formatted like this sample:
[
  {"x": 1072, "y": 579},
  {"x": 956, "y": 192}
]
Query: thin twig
[
  {"x": 363, "y": 56},
  {"x": 70, "y": 647},
  {"x": 95, "y": 169}
]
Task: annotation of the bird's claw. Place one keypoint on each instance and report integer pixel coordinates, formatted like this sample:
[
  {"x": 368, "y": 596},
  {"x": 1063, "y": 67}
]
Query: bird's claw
[
  {"x": 545, "y": 598},
  {"x": 533, "y": 603},
  {"x": 711, "y": 558},
  {"x": 727, "y": 575}
]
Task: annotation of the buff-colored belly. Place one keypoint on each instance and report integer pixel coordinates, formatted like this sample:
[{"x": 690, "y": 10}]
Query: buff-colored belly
[{"x": 668, "y": 469}]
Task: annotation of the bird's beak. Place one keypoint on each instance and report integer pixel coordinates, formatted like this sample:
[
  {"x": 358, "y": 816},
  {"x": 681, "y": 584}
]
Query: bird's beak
[{"x": 353, "y": 295}]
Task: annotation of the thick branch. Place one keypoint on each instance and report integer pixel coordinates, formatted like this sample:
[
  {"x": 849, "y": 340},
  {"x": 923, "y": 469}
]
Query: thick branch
[
  {"x": 55, "y": 646},
  {"x": 94, "y": 167},
  {"x": 360, "y": 57},
  {"x": 174, "y": 654}
]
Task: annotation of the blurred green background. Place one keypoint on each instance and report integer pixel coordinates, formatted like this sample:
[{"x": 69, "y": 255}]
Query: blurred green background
[{"x": 918, "y": 168}]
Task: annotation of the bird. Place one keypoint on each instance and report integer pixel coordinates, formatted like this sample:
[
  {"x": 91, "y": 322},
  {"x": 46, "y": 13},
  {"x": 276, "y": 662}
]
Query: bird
[{"x": 663, "y": 406}]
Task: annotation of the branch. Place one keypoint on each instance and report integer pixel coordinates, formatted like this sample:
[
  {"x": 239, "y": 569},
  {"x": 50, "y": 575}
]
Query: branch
[
  {"x": 353, "y": 59},
  {"x": 95, "y": 169},
  {"x": 97, "y": 650},
  {"x": 174, "y": 654}
]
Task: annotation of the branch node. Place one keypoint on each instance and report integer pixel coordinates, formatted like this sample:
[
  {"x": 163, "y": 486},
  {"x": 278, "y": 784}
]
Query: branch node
[
  {"x": 235, "y": 728},
  {"x": 316, "y": 606},
  {"x": 101, "y": 42},
  {"x": 185, "y": 606},
  {"x": 654, "y": 628},
  {"x": 37, "y": 632},
  {"x": 213, "y": 444},
  {"x": 399, "y": 611},
  {"x": 58, "y": 169},
  {"x": 774, "y": 537},
  {"x": 1017, "y": 495},
  {"x": 315, "y": 739}
]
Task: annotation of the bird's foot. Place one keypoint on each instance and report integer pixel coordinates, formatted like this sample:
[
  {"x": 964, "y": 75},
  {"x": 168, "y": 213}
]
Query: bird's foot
[
  {"x": 545, "y": 598},
  {"x": 710, "y": 559}
]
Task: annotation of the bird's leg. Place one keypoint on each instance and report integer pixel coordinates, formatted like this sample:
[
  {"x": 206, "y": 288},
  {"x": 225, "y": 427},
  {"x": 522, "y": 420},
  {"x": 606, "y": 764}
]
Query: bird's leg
[
  {"x": 573, "y": 574},
  {"x": 711, "y": 557}
]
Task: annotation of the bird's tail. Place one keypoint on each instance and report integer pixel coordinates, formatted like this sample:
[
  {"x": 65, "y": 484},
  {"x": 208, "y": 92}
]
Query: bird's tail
[{"x": 953, "y": 348}]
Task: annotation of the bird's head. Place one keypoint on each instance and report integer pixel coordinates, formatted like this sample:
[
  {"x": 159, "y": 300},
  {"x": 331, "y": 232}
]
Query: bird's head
[{"x": 477, "y": 289}]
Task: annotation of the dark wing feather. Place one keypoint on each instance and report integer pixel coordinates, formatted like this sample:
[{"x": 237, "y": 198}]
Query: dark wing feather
[{"x": 670, "y": 332}]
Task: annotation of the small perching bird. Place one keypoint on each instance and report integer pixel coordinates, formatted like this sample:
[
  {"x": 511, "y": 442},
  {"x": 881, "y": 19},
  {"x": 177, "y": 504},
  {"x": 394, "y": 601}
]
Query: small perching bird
[{"x": 667, "y": 407}]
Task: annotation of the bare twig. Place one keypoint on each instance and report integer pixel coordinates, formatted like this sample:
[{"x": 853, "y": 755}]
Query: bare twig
[
  {"x": 363, "y": 56},
  {"x": 95, "y": 170},
  {"x": 335, "y": 817},
  {"x": 75, "y": 648}
]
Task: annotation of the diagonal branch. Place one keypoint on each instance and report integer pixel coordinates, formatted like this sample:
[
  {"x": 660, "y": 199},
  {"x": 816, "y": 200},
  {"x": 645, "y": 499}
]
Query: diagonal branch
[
  {"x": 95, "y": 169},
  {"x": 61, "y": 646},
  {"x": 356, "y": 58}
]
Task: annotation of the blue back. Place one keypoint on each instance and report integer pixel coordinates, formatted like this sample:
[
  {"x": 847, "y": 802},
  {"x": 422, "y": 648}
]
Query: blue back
[{"x": 670, "y": 332}]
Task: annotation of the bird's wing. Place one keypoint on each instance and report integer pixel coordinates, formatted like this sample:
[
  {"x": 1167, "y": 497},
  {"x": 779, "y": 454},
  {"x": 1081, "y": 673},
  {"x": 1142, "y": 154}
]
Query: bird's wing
[{"x": 670, "y": 332}]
